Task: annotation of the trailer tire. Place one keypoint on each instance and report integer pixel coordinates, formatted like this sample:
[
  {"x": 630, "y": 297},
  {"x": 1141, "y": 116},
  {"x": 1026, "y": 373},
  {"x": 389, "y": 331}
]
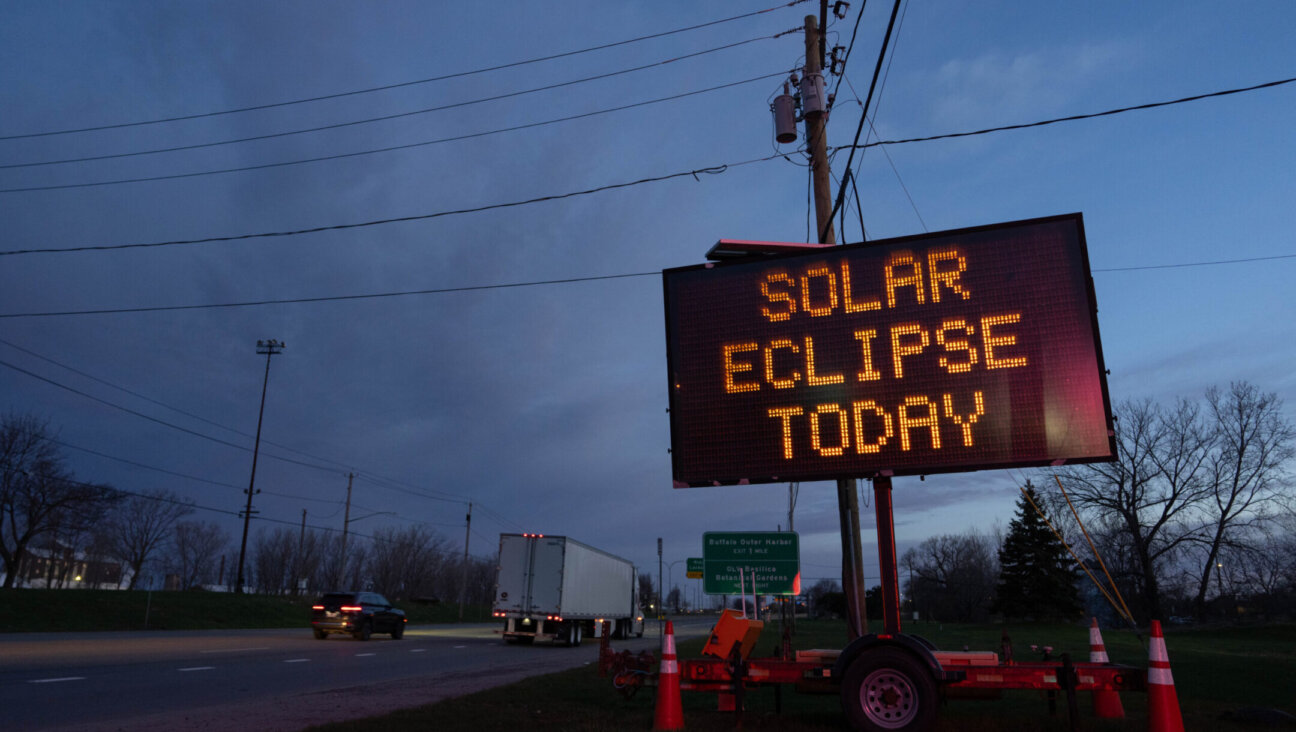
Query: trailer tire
[
  {"x": 574, "y": 634},
  {"x": 888, "y": 689}
]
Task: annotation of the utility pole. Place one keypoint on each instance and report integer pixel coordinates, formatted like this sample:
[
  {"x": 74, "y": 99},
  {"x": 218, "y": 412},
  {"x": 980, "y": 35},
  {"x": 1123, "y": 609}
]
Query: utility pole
[
  {"x": 298, "y": 564},
  {"x": 463, "y": 587},
  {"x": 814, "y": 102},
  {"x": 267, "y": 348},
  {"x": 346, "y": 517}
]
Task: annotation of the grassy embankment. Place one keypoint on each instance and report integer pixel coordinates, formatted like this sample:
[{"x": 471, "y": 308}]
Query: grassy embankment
[
  {"x": 91, "y": 610},
  {"x": 1217, "y": 672}
]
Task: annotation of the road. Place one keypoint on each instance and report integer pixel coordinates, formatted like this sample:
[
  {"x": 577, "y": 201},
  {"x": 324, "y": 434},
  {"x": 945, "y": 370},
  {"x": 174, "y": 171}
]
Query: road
[{"x": 261, "y": 680}]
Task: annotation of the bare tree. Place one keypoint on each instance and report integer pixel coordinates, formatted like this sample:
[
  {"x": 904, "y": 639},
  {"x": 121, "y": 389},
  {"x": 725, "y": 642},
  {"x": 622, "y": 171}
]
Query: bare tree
[
  {"x": 140, "y": 525},
  {"x": 196, "y": 548},
  {"x": 952, "y": 576},
  {"x": 1246, "y": 473},
  {"x": 273, "y": 559},
  {"x": 410, "y": 562},
  {"x": 38, "y": 496},
  {"x": 1152, "y": 489}
]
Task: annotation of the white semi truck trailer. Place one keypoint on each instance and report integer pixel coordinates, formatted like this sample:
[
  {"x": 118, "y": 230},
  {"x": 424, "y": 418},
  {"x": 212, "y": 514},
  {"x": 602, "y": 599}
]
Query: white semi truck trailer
[{"x": 556, "y": 588}]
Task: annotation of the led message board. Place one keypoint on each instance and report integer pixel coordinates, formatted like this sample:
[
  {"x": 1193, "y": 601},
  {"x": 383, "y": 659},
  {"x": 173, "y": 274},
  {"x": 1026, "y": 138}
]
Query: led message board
[{"x": 955, "y": 351}]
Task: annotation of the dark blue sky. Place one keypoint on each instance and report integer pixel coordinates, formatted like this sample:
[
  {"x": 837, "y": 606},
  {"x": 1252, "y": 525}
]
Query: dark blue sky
[{"x": 545, "y": 405}]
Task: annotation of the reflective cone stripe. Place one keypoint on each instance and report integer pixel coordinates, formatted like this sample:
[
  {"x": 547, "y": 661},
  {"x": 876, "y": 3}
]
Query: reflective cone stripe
[
  {"x": 1163, "y": 701},
  {"x": 1106, "y": 702},
  {"x": 1097, "y": 651},
  {"x": 669, "y": 711}
]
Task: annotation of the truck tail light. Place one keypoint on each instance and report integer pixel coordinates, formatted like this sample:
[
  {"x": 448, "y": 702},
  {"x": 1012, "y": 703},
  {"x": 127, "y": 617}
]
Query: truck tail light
[
  {"x": 351, "y": 608},
  {"x": 317, "y": 607}
]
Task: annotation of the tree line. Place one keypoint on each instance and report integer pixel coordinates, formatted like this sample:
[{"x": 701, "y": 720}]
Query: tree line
[
  {"x": 1194, "y": 518},
  {"x": 58, "y": 531}
]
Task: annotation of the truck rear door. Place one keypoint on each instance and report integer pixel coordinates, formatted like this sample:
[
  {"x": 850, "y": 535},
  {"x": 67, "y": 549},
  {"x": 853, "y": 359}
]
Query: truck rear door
[
  {"x": 547, "y": 575},
  {"x": 514, "y": 574}
]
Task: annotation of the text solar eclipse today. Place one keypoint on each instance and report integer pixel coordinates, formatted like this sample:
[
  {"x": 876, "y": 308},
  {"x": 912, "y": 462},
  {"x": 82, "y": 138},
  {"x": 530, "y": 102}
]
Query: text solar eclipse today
[{"x": 961, "y": 350}]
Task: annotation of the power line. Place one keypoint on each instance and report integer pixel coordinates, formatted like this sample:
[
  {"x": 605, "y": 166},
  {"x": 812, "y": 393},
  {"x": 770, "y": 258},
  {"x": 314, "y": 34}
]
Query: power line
[
  {"x": 384, "y": 118},
  {"x": 155, "y": 420},
  {"x": 391, "y": 148},
  {"x": 164, "y": 471},
  {"x": 508, "y": 285},
  {"x": 877, "y": 69},
  {"x": 333, "y": 298},
  {"x": 1073, "y": 118},
  {"x": 378, "y": 480},
  {"x": 713, "y": 170},
  {"x": 387, "y": 87}
]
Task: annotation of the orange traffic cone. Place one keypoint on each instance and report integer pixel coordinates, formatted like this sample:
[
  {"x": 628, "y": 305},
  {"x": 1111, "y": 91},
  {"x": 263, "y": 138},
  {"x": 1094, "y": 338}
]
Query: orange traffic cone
[
  {"x": 669, "y": 714},
  {"x": 1163, "y": 702},
  {"x": 1106, "y": 702}
]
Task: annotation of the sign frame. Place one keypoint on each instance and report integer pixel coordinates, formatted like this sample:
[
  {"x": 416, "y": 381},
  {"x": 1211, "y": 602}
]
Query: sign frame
[{"x": 1054, "y": 246}]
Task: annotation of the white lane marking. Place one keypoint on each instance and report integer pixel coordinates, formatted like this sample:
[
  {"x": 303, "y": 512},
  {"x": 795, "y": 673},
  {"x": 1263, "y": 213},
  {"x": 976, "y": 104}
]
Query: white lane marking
[
  {"x": 417, "y": 650},
  {"x": 361, "y": 655},
  {"x": 296, "y": 660},
  {"x": 197, "y": 668},
  {"x": 236, "y": 650},
  {"x": 461, "y": 646},
  {"x": 55, "y": 681}
]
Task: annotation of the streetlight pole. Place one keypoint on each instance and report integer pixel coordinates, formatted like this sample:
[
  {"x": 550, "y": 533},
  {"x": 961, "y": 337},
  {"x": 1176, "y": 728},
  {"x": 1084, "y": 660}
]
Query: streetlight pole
[{"x": 268, "y": 348}]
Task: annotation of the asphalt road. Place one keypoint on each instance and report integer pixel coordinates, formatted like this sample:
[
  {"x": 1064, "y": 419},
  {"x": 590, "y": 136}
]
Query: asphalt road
[{"x": 261, "y": 679}]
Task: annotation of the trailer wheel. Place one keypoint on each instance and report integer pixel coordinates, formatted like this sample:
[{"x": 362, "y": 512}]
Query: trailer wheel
[{"x": 888, "y": 689}]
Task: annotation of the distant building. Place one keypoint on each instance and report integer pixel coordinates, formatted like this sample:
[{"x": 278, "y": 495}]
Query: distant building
[{"x": 57, "y": 566}]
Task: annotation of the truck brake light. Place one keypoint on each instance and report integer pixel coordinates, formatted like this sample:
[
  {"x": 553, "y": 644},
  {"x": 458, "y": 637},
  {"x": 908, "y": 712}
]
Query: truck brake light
[{"x": 351, "y": 608}]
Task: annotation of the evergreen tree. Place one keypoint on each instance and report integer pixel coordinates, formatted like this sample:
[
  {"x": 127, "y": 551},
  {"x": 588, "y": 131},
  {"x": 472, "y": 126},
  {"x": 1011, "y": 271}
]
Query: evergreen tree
[{"x": 1036, "y": 580}]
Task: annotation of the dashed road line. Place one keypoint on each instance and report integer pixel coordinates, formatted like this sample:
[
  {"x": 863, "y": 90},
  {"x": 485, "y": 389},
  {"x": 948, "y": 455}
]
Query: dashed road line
[
  {"x": 236, "y": 650},
  {"x": 197, "y": 668},
  {"x": 417, "y": 650},
  {"x": 296, "y": 660},
  {"x": 55, "y": 681},
  {"x": 360, "y": 655}
]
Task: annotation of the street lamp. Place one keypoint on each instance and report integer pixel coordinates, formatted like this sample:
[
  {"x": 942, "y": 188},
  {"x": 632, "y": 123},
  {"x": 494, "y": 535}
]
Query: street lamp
[{"x": 268, "y": 348}]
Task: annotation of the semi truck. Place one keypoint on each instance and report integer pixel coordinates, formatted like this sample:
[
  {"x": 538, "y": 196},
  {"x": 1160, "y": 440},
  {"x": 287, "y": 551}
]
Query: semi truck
[{"x": 556, "y": 588}]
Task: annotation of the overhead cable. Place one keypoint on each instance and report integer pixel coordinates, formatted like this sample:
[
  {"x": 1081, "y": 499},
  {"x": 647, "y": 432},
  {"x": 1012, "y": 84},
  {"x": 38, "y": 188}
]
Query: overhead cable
[
  {"x": 155, "y": 420},
  {"x": 391, "y": 148},
  {"x": 712, "y": 170},
  {"x": 387, "y": 87},
  {"x": 716, "y": 169},
  {"x": 877, "y": 70},
  {"x": 1076, "y": 117},
  {"x": 384, "y": 118},
  {"x": 534, "y": 283}
]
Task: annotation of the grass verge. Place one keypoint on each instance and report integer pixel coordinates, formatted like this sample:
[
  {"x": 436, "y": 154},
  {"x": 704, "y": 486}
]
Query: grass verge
[{"x": 1218, "y": 672}]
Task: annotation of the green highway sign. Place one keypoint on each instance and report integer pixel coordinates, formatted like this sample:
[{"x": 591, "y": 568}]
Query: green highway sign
[
  {"x": 694, "y": 568},
  {"x": 731, "y": 559}
]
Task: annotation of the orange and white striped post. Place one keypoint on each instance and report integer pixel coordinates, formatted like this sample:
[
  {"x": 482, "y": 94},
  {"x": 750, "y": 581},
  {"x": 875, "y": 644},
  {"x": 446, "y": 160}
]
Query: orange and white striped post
[
  {"x": 669, "y": 712},
  {"x": 1106, "y": 702},
  {"x": 1163, "y": 702}
]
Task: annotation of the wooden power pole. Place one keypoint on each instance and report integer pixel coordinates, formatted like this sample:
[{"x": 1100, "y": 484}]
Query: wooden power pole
[{"x": 815, "y": 111}]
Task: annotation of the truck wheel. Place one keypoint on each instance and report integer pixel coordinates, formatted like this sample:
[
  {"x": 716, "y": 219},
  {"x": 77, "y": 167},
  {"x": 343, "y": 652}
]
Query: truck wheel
[
  {"x": 888, "y": 689},
  {"x": 319, "y": 634}
]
